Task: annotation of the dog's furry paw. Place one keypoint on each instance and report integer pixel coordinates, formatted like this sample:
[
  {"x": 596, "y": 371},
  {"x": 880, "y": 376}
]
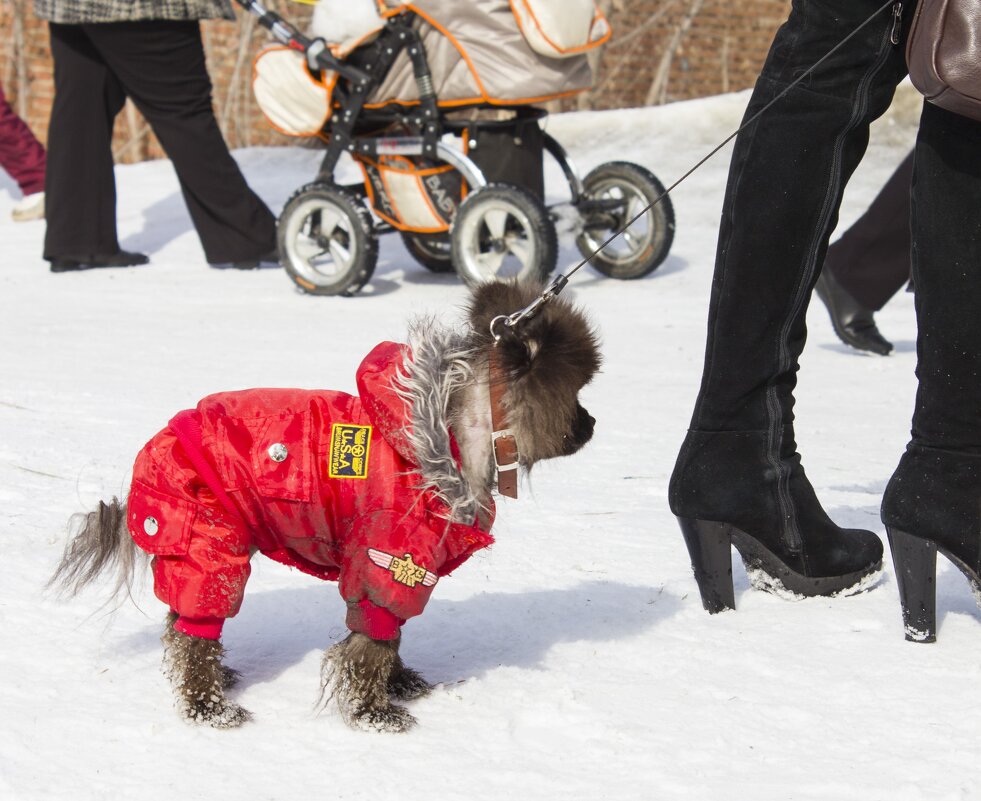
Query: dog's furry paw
[
  {"x": 199, "y": 679},
  {"x": 229, "y": 677},
  {"x": 215, "y": 712},
  {"x": 391, "y": 718},
  {"x": 407, "y": 684},
  {"x": 358, "y": 673}
]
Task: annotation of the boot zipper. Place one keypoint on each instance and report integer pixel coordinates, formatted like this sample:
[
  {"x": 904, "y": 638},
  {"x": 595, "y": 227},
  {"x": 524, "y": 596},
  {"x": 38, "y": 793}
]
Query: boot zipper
[{"x": 897, "y": 23}]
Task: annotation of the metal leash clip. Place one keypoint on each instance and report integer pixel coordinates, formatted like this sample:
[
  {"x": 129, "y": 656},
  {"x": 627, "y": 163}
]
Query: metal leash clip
[{"x": 510, "y": 321}]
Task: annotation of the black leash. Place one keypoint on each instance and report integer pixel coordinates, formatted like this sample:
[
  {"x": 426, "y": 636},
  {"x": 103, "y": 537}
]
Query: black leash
[{"x": 560, "y": 282}]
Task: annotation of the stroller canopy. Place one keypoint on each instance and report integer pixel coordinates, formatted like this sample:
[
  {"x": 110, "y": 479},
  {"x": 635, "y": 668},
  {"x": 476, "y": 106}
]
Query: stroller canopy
[
  {"x": 495, "y": 51},
  {"x": 480, "y": 53}
]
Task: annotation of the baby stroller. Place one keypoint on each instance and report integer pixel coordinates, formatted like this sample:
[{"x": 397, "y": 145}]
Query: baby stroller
[{"x": 436, "y": 102}]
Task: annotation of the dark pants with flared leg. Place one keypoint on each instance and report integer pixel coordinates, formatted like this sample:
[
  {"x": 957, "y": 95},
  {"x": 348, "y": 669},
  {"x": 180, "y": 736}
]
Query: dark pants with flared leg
[
  {"x": 161, "y": 66},
  {"x": 871, "y": 260},
  {"x": 21, "y": 155}
]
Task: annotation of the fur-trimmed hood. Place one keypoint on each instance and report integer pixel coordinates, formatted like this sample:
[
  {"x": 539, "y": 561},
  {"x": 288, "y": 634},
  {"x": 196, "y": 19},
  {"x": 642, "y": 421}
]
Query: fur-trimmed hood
[{"x": 407, "y": 391}]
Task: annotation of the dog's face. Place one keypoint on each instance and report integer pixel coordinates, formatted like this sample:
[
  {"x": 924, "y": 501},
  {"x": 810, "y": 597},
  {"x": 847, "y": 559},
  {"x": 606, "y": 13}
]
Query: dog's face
[{"x": 550, "y": 358}]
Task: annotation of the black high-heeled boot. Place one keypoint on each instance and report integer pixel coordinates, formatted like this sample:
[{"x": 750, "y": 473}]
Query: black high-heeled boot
[
  {"x": 933, "y": 500},
  {"x": 932, "y": 503},
  {"x": 726, "y": 491},
  {"x": 738, "y": 479}
]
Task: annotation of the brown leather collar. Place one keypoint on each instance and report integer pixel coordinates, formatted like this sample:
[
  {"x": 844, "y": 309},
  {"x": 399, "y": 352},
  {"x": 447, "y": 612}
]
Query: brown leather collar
[{"x": 502, "y": 438}]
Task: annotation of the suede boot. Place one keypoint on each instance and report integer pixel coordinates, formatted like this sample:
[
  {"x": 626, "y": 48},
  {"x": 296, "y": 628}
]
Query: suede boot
[
  {"x": 738, "y": 478},
  {"x": 933, "y": 500},
  {"x": 771, "y": 515}
]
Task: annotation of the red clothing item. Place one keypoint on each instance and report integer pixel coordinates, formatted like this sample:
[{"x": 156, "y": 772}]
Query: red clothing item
[
  {"x": 21, "y": 155},
  {"x": 322, "y": 481}
]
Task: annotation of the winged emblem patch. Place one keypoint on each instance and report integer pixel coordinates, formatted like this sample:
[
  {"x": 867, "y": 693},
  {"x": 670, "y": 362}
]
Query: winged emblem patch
[{"x": 403, "y": 569}]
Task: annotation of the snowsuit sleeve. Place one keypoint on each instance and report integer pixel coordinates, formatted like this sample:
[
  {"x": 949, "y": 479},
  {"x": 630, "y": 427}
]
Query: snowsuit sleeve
[{"x": 391, "y": 561}]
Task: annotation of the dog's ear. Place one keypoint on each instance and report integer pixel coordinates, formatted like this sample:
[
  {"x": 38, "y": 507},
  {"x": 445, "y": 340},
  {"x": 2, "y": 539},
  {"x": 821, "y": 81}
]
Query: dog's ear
[{"x": 556, "y": 346}]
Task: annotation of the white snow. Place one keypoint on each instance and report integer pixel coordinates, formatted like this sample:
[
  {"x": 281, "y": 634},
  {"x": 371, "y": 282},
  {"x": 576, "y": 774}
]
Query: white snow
[{"x": 575, "y": 658}]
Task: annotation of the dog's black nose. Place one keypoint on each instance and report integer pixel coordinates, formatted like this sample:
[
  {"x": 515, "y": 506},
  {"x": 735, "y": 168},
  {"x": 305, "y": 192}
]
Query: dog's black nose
[{"x": 582, "y": 430}]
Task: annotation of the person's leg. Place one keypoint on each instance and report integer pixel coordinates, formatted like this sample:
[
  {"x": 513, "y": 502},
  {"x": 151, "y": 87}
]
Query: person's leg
[
  {"x": 871, "y": 260},
  {"x": 738, "y": 476},
  {"x": 21, "y": 155},
  {"x": 934, "y": 497},
  {"x": 161, "y": 64},
  {"x": 869, "y": 264},
  {"x": 80, "y": 187}
]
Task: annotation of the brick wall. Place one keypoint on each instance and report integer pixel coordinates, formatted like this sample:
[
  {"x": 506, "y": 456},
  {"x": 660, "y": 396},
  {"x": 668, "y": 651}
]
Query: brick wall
[
  {"x": 662, "y": 50},
  {"x": 665, "y": 50}
]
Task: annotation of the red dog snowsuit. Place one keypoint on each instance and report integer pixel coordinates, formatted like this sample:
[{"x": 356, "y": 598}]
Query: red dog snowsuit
[{"x": 322, "y": 481}]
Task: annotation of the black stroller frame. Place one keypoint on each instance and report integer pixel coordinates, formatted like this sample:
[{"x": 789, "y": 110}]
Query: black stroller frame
[{"x": 328, "y": 238}]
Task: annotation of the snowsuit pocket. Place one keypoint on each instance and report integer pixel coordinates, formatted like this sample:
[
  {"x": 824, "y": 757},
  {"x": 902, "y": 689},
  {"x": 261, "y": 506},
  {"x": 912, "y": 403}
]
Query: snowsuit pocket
[
  {"x": 281, "y": 458},
  {"x": 159, "y": 524}
]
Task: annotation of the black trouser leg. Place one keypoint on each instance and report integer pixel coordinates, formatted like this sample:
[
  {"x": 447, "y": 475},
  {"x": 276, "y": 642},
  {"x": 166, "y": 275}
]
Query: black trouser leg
[
  {"x": 871, "y": 260},
  {"x": 161, "y": 65},
  {"x": 80, "y": 188}
]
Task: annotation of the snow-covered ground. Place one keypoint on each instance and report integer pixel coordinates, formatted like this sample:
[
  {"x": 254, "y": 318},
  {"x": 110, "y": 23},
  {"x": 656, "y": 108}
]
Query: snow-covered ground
[{"x": 574, "y": 657}]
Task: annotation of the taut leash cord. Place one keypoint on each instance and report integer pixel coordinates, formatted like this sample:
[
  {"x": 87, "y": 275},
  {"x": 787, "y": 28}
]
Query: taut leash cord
[{"x": 560, "y": 281}]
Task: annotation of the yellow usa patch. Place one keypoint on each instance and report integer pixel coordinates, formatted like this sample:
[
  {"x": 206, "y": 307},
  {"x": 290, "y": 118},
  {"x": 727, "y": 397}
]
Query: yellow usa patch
[{"x": 349, "y": 448}]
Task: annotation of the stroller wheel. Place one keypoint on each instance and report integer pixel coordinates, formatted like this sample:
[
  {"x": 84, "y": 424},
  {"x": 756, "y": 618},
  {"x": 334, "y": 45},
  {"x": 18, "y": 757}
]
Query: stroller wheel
[
  {"x": 432, "y": 251},
  {"x": 503, "y": 231},
  {"x": 615, "y": 193},
  {"x": 326, "y": 240}
]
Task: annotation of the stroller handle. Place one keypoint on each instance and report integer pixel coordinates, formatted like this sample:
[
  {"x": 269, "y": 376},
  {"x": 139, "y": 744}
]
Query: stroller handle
[{"x": 318, "y": 54}]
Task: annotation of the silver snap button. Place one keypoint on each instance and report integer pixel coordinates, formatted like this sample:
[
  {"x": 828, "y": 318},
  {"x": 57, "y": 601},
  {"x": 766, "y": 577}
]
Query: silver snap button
[
  {"x": 277, "y": 452},
  {"x": 150, "y": 526}
]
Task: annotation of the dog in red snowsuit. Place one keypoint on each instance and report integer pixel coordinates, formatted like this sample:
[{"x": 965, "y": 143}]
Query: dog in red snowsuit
[
  {"x": 322, "y": 481},
  {"x": 386, "y": 492}
]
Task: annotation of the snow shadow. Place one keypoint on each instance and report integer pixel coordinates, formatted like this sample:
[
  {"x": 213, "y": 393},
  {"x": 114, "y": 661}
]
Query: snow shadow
[
  {"x": 163, "y": 221},
  {"x": 456, "y": 640},
  {"x": 899, "y": 346},
  {"x": 450, "y": 641},
  {"x": 859, "y": 516},
  {"x": 954, "y": 595}
]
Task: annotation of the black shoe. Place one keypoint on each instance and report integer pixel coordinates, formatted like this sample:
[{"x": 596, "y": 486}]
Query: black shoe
[
  {"x": 122, "y": 258},
  {"x": 272, "y": 257},
  {"x": 853, "y": 323}
]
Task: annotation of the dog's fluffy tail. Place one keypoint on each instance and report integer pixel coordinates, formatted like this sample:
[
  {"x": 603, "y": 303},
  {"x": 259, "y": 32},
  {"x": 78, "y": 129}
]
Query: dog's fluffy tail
[{"x": 98, "y": 541}]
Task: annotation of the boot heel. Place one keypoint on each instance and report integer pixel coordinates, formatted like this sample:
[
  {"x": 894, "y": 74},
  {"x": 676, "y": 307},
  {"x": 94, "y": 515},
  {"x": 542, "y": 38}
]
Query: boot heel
[
  {"x": 915, "y": 561},
  {"x": 711, "y": 558}
]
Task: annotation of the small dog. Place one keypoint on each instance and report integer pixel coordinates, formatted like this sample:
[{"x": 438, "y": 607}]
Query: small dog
[{"x": 385, "y": 492}]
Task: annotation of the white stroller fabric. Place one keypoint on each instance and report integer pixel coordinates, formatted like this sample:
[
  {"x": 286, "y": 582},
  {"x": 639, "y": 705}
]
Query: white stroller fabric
[
  {"x": 294, "y": 102},
  {"x": 561, "y": 28},
  {"x": 345, "y": 22}
]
